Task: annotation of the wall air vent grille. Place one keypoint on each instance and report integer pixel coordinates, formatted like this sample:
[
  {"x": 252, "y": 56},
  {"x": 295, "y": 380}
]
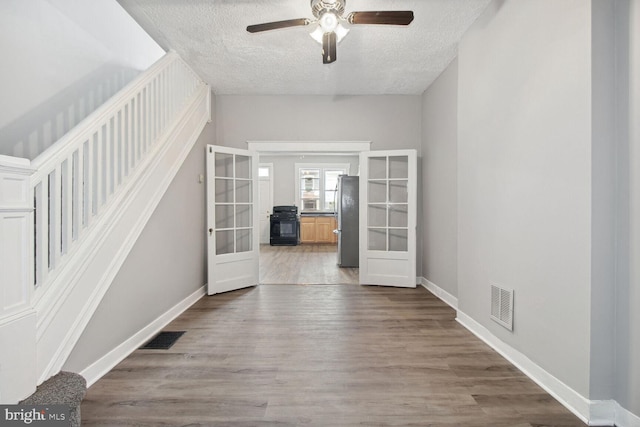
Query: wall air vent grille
[{"x": 502, "y": 306}]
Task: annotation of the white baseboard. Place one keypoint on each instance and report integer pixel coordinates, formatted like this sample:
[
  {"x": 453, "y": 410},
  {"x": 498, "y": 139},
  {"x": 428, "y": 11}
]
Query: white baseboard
[
  {"x": 564, "y": 394},
  {"x": 591, "y": 412},
  {"x": 625, "y": 418},
  {"x": 601, "y": 412},
  {"x": 103, "y": 365},
  {"x": 440, "y": 293}
]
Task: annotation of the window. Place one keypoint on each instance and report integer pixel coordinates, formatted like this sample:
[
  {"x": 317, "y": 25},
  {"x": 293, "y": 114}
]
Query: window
[{"x": 316, "y": 186}]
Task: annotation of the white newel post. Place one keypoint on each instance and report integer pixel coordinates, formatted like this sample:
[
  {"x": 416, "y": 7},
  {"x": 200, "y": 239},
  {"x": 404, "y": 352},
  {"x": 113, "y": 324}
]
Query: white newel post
[{"x": 17, "y": 317}]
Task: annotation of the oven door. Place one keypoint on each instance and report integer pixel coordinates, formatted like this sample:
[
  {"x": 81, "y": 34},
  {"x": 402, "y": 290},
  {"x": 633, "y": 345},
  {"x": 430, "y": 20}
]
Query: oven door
[{"x": 284, "y": 231}]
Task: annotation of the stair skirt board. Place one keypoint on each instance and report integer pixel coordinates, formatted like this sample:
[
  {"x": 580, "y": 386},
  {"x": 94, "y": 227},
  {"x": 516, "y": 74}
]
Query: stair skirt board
[{"x": 163, "y": 341}]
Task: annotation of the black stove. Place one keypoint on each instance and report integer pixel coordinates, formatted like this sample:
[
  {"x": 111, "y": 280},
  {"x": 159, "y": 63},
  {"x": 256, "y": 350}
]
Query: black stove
[{"x": 285, "y": 226}]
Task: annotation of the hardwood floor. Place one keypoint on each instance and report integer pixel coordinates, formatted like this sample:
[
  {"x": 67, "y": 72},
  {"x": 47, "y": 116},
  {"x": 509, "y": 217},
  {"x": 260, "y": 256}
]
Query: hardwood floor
[
  {"x": 331, "y": 355},
  {"x": 303, "y": 264}
]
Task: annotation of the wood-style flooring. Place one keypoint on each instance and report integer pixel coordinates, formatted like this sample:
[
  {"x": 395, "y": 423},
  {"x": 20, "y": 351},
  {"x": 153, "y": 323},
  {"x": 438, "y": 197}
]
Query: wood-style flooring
[
  {"x": 303, "y": 264},
  {"x": 349, "y": 355}
]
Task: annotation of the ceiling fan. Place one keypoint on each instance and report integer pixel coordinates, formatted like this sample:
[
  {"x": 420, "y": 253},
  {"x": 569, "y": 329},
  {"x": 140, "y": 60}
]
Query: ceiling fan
[{"x": 329, "y": 17}]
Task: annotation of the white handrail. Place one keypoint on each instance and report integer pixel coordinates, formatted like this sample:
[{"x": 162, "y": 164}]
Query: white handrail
[{"x": 75, "y": 178}]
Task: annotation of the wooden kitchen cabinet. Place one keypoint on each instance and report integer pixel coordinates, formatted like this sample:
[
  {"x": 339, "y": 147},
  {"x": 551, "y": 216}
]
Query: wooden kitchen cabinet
[
  {"x": 318, "y": 229},
  {"x": 307, "y": 229}
]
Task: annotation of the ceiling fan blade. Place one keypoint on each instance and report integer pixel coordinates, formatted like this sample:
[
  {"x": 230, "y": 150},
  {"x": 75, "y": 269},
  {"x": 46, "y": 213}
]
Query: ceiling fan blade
[
  {"x": 391, "y": 17},
  {"x": 278, "y": 24},
  {"x": 329, "y": 41}
]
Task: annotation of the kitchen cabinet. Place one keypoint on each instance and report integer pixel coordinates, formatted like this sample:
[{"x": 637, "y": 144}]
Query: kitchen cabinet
[{"x": 318, "y": 229}]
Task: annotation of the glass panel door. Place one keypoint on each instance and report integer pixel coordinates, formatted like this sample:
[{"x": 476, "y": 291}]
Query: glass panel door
[
  {"x": 388, "y": 217},
  {"x": 231, "y": 196}
]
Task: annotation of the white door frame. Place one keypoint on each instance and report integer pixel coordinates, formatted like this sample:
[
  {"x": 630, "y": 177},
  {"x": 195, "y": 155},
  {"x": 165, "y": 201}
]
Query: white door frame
[{"x": 271, "y": 172}]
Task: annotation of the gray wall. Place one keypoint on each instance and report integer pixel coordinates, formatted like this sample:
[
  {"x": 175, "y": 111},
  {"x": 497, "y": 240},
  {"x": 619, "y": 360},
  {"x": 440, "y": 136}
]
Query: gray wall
[
  {"x": 167, "y": 263},
  {"x": 63, "y": 60},
  {"x": 390, "y": 122},
  {"x": 440, "y": 181},
  {"x": 524, "y": 178},
  {"x": 284, "y": 172},
  {"x": 627, "y": 321}
]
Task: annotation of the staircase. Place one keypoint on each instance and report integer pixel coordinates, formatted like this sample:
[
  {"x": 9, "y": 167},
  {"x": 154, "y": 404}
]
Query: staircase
[{"x": 69, "y": 217}]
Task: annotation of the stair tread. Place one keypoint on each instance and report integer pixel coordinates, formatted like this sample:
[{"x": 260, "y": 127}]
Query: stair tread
[{"x": 66, "y": 388}]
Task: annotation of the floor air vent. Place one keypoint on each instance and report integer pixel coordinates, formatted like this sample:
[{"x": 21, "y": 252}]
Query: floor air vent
[
  {"x": 502, "y": 306},
  {"x": 163, "y": 341}
]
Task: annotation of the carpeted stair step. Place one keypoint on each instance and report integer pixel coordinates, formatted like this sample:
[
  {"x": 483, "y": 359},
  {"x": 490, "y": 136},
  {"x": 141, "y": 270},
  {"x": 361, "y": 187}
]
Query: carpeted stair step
[{"x": 65, "y": 388}]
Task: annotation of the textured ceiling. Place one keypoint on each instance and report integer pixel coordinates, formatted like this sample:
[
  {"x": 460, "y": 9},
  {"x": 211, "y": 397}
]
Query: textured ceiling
[{"x": 372, "y": 59}]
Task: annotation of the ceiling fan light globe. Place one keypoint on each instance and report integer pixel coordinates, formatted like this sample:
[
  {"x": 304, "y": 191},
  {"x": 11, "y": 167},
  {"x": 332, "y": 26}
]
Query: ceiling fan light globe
[
  {"x": 328, "y": 22},
  {"x": 317, "y": 34},
  {"x": 340, "y": 31}
]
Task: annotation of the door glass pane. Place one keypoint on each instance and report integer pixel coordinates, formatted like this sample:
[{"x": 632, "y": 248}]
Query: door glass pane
[
  {"x": 378, "y": 239},
  {"x": 224, "y": 216},
  {"x": 243, "y": 167},
  {"x": 377, "y": 168},
  {"x": 224, "y": 164},
  {"x": 398, "y": 240},
  {"x": 243, "y": 240},
  {"x": 243, "y": 191},
  {"x": 398, "y": 192},
  {"x": 399, "y": 167},
  {"x": 398, "y": 216},
  {"x": 224, "y": 191},
  {"x": 377, "y": 191},
  {"x": 224, "y": 242},
  {"x": 243, "y": 216},
  {"x": 377, "y": 215},
  {"x": 263, "y": 172}
]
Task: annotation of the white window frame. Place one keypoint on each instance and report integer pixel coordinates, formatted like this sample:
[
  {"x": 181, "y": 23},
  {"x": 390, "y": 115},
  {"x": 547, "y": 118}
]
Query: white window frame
[{"x": 322, "y": 167}]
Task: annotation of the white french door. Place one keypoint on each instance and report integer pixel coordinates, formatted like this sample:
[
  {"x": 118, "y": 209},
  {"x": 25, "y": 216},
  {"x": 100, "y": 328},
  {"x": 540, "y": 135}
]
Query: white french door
[
  {"x": 388, "y": 210},
  {"x": 232, "y": 219}
]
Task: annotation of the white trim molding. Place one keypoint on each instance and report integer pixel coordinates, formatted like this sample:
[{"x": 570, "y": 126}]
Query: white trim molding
[
  {"x": 102, "y": 366},
  {"x": 445, "y": 296},
  {"x": 625, "y": 418},
  {"x": 564, "y": 394},
  {"x": 591, "y": 412},
  {"x": 309, "y": 146}
]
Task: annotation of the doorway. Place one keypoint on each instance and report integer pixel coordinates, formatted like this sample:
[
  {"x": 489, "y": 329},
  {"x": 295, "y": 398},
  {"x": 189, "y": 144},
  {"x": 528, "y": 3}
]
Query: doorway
[
  {"x": 308, "y": 263},
  {"x": 265, "y": 195}
]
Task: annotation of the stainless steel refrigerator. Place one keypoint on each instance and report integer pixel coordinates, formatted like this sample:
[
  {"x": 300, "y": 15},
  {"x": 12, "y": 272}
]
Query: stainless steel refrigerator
[{"x": 347, "y": 211}]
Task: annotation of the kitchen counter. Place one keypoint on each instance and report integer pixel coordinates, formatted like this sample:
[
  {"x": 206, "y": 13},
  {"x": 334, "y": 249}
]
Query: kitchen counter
[{"x": 312, "y": 214}]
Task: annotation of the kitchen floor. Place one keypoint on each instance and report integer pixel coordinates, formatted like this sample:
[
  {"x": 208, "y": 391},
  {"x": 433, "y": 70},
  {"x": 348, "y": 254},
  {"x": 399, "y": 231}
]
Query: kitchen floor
[{"x": 306, "y": 264}]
